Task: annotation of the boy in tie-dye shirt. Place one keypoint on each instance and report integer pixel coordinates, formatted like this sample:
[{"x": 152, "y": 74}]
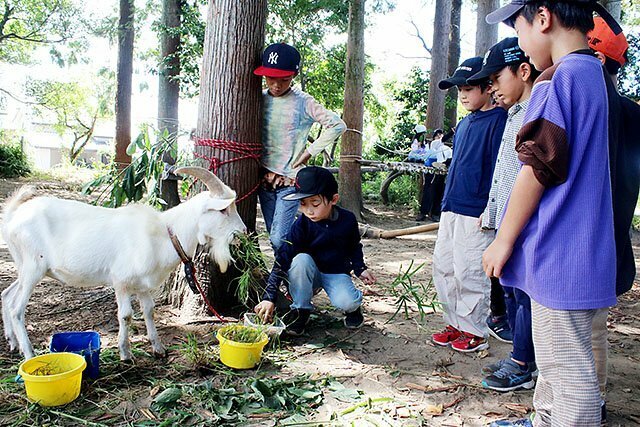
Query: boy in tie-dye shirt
[{"x": 289, "y": 114}]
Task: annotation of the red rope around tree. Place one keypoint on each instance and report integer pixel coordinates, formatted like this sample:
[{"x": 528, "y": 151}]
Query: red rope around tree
[{"x": 248, "y": 150}]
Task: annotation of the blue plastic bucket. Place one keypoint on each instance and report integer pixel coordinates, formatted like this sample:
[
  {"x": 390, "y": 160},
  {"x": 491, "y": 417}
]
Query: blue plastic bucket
[{"x": 86, "y": 344}]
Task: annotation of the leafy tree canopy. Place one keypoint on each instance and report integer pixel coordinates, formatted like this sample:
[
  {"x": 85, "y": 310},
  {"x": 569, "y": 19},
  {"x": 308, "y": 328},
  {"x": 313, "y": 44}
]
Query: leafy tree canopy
[{"x": 630, "y": 73}]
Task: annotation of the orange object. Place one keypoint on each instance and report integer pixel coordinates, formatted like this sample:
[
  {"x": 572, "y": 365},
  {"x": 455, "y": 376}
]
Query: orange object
[{"x": 602, "y": 39}]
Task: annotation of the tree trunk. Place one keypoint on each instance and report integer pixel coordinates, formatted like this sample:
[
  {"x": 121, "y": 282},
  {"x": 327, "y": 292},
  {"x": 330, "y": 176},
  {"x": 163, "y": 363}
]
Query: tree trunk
[
  {"x": 451, "y": 103},
  {"x": 351, "y": 146},
  {"x": 169, "y": 93},
  {"x": 229, "y": 110},
  {"x": 614, "y": 7},
  {"x": 124, "y": 76},
  {"x": 486, "y": 35},
  {"x": 439, "y": 63}
]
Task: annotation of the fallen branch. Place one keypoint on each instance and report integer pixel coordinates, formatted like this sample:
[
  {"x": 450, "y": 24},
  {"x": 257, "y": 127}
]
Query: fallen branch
[{"x": 375, "y": 233}]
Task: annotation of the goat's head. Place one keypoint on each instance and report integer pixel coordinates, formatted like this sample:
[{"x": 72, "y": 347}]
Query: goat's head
[{"x": 219, "y": 221}]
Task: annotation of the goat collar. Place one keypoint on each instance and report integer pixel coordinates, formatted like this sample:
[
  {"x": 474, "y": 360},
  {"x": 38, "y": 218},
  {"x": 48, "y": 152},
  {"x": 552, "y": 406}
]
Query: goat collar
[{"x": 177, "y": 246}]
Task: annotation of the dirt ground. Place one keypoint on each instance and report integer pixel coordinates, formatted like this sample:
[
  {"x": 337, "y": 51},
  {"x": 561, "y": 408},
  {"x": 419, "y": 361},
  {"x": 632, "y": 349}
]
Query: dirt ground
[{"x": 402, "y": 378}]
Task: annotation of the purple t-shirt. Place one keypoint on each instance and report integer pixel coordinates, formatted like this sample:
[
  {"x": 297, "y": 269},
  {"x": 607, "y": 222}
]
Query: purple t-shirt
[{"x": 565, "y": 257}]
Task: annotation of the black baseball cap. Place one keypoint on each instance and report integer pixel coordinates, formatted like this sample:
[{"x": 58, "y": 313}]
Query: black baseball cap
[
  {"x": 505, "y": 52},
  {"x": 313, "y": 180},
  {"x": 468, "y": 68},
  {"x": 279, "y": 60},
  {"x": 507, "y": 11}
]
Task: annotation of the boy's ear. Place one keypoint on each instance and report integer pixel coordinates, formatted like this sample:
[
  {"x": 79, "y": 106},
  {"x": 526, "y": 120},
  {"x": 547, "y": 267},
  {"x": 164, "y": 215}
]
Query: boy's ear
[
  {"x": 334, "y": 200},
  {"x": 600, "y": 57},
  {"x": 524, "y": 71},
  {"x": 544, "y": 19}
]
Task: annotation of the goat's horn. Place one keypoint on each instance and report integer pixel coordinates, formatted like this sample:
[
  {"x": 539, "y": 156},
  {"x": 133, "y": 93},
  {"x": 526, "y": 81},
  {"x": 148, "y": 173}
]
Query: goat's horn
[{"x": 213, "y": 183}]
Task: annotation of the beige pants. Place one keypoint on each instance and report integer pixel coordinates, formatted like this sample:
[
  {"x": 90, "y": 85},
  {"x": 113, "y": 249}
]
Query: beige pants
[
  {"x": 600, "y": 346},
  {"x": 463, "y": 288}
]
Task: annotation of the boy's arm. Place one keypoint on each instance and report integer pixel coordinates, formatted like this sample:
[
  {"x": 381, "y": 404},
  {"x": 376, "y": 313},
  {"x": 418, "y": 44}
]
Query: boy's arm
[
  {"x": 284, "y": 255},
  {"x": 332, "y": 127},
  {"x": 523, "y": 202},
  {"x": 357, "y": 258}
]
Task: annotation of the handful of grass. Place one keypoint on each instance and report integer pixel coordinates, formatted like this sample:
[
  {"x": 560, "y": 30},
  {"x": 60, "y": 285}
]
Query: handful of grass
[
  {"x": 44, "y": 370},
  {"x": 241, "y": 333}
]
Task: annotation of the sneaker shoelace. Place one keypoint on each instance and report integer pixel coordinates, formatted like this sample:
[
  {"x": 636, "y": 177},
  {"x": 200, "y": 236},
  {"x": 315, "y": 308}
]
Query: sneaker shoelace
[{"x": 508, "y": 368}]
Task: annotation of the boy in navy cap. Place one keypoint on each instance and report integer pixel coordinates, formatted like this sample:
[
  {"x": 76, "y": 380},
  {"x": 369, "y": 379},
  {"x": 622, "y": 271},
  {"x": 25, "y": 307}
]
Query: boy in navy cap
[
  {"x": 457, "y": 269},
  {"x": 512, "y": 77},
  {"x": 288, "y": 114},
  {"x": 322, "y": 249},
  {"x": 556, "y": 239}
]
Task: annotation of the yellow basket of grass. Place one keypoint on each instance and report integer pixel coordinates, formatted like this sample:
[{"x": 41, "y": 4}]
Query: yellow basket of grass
[{"x": 241, "y": 346}]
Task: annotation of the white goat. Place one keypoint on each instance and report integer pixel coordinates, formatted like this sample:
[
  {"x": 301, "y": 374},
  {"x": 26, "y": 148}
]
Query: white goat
[{"x": 128, "y": 247}]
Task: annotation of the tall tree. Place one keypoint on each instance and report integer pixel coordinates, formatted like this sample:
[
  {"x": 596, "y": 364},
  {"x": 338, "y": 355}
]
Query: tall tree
[
  {"x": 486, "y": 35},
  {"x": 451, "y": 102},
  {"x": 124, "y": 77},
  {"x": 229, "y": 113},
  {"x": 169, "y": 91},
  {"x": 351, "y": 147},
  {"x": 439, "y": 64}
]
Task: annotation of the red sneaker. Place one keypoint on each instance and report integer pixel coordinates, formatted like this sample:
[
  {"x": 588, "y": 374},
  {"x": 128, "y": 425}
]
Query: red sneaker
[
  {"x": 467, "y": 343},
  {"x": 445, "y": 337}
]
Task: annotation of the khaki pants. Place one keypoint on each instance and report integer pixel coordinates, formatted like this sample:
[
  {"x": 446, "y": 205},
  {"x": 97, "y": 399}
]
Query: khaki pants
[{"x": 463, "y": 288}]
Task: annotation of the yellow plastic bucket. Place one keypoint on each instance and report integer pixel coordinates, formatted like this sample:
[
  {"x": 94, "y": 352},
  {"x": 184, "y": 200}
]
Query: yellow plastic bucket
[
  {"x": 240, "y": 355},
  {"x": 53, "y": 379}
]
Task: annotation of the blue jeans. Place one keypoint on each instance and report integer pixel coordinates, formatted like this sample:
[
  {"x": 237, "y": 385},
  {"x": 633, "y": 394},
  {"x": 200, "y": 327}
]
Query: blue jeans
[
  {"x": 519, "y": 314},
  {"x": 278, "y": 214},
  {"x": 305, "y": 278}
]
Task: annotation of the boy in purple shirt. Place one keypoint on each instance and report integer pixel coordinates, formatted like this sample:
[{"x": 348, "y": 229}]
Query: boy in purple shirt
[{"x": 556, "y": 239}]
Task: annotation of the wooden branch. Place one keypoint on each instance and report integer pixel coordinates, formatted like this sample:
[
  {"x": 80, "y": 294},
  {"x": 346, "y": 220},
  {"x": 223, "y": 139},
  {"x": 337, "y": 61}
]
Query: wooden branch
[
  {"x": 419, "y": 36},
  {"x": 376, "y": 233}
]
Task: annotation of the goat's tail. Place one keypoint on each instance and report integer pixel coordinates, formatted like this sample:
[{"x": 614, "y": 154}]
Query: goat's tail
[{"x": 23, "y": 194}]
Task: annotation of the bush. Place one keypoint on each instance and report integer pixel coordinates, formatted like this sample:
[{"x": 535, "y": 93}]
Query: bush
[
  {"x": 402, "y": 192},
  {"x": 13, "y": 161}
]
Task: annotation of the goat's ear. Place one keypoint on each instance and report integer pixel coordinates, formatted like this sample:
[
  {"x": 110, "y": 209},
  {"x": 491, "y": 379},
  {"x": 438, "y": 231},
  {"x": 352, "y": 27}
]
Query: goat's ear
[{"x": 217, "y": 204}]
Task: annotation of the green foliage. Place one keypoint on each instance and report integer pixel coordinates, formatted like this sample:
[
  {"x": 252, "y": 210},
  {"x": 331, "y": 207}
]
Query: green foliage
[
  {"x": 139, "y": 179},
  {"x": 630, "y": 74},
  {"x": 409, "y": 293},
  {"x": 13, "y": 160},
  {"x": 27, "y": 23},
  {"x": 250, "y": 261},
  {"x": 242, "y": 334},
  {"x": 402, "y": 192}
]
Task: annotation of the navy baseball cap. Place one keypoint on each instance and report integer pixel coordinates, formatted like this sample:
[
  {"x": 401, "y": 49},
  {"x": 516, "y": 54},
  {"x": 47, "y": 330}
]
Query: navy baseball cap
[
  {"x": 279, "y": 60},
  {"x": 505, "y": 52},
  {"x": 312, "y": 181},
  {"x": 507, "y": 11},
  {"x": 465, "y": 70}
]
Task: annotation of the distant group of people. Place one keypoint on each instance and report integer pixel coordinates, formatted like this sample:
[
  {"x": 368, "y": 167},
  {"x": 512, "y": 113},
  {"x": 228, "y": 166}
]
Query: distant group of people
[{"x": 533, "y": 244}]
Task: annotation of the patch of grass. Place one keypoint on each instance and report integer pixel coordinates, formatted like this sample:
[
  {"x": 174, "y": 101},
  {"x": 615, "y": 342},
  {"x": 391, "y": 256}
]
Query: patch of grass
[
  {"x": 410, "y": 293},
  {"x": 252, "y": 265}
]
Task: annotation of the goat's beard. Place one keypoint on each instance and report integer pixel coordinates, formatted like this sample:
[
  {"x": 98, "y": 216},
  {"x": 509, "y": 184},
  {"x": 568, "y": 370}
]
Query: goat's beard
[{"x": 220, "y": 252}]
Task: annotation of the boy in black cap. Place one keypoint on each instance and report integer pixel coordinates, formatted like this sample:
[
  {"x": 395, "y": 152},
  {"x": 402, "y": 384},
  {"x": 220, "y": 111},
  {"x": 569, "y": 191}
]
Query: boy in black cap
[
  {"x": 322, "y": 249},
  {"x": 556, "y": 239},
  {"x": 457, "y": 270},
  {"x": 512, "y": 78},
  {"x": 288, "y": 114}
]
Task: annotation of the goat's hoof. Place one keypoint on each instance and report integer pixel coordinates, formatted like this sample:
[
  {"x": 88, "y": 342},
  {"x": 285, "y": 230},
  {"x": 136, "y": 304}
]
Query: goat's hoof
[
  {"x": 159, "y": 350},
  {"x": 126, "y": 356}
]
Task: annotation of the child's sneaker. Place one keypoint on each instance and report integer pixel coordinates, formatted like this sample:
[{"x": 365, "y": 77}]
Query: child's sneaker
[
  {"x": 496, "y": 366},
  {"x": 447, "y": 336},
  {"x": 296, "y": 319},
  {"x": 354, "y": 320},
  {"x": 509, "y": 377},
  {"x": 523, "y": 422},
  {"x": 499, "y": 328},
  {"x": 467, "y": 343}
]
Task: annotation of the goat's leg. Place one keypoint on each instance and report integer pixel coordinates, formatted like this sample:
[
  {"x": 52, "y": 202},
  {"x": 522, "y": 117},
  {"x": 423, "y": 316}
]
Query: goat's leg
[
  {"x": 125, "y": 312},
  {"x": 29, "y": 276},
  {"x": 147, "y": 305},
  {"x": 8, "y": 295}
]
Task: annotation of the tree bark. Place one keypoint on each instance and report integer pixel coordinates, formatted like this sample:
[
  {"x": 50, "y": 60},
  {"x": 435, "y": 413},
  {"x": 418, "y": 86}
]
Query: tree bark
[
  {"x": 351, "y": 145},
  {"x": 451, "y": 103},
  {"x": 229, "y": 110},
  {"x": 486, "y": 35},
  {"x": 169, "y": 93},
  {"x": 439, "y": 63},
  {"x": 124, "y": 77},
  {"x": 614, "y": 7}
]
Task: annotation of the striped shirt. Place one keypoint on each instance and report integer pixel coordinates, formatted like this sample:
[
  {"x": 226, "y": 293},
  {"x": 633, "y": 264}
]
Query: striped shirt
[
  {"x": 286, "y": 124},
  {"x": 507, "y": 168}
]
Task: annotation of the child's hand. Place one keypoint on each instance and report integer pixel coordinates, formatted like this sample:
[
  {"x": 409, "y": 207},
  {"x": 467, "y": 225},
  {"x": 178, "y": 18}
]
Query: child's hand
[
  {"x": 367, "y": 277},
  {"x": 302, "y": 160},
  {"x": 495, "y": 257},
  {"x": 265, "y": 310}
]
